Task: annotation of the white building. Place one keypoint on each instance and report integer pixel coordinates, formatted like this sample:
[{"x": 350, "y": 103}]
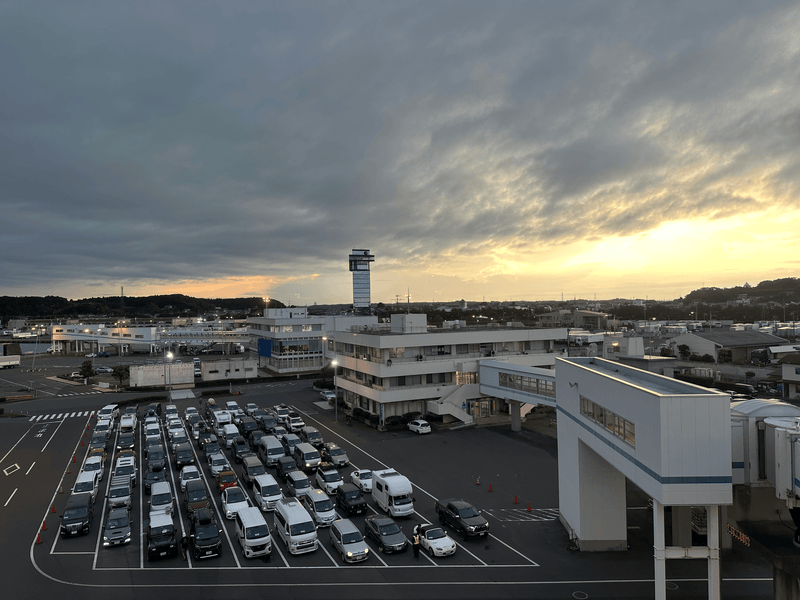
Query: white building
[
  {"x": 408, "y": 368},
  {"x": 290, "y": 341}
]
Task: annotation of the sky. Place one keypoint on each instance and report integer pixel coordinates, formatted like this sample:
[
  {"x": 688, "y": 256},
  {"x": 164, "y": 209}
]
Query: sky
[{"x": 480, "y": 150}]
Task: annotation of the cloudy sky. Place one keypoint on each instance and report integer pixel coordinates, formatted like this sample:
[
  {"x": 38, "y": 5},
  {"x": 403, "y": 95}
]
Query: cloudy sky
[{"x": 499, "y": 150}]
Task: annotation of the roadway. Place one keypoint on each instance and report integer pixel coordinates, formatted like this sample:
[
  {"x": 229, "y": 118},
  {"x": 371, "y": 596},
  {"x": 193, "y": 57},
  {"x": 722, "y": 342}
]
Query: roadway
[{"x": 526, "y": 556}]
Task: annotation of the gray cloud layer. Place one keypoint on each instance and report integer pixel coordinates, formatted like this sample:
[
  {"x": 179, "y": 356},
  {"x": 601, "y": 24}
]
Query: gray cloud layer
[{"x": 168, "y": 141}]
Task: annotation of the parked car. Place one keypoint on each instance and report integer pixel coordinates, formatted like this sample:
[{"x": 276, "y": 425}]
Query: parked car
[
  {"x": 347, "y": 539},
  {"x": 362, "y": 479},
  {"x": 204, "y": 534},
  {"x": 350, "y": 500},
  {"x": 160, "y": 537},
  {"x": 435, "y": 541},
  {"x": 195, "y": 496},
  {"x": 419, "y": 426},
  {"x": 233, "y": 500},
  {"x": 328, "y": 396},
  {"x": 386, "y": 533},
  {"x": 118, "y": 527}
]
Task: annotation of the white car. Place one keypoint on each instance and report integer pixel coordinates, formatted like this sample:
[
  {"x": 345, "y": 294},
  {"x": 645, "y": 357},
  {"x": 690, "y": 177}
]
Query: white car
[
  {"x": 250, "y": 407},
  {"x": 327, "y": 395},
  {"x": 187, "y": 414},
  {"x": 419, "y": 426},
  {"x": 328, "y": 480},
  {"x": 233, "y": 500},
  {"x": 188, "y": 473},
  {"x": 104, "y": 370},
  {"x": 362, "y": 479},
  {"x": 218, "y": 463},
  {"x": 435, "y": 541},
  {"x": 91, "y": 355}
]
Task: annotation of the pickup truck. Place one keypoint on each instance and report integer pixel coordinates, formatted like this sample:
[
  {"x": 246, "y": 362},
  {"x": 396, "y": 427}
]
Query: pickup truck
[{"x": 461, "y": 516}]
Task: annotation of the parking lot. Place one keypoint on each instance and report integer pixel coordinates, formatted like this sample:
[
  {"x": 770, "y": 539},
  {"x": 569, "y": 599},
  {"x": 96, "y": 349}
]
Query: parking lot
[{"x": 511, "y": 478}]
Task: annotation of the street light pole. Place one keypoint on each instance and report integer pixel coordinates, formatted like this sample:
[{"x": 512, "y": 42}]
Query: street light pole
[
  {"x": 169, "y": 359},
  {"x": 335, "y": 364}
]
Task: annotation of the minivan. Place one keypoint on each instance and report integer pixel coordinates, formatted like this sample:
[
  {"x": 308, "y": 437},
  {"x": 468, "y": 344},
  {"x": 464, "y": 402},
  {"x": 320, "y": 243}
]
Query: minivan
[
  {"x": 252, "y": 467},
  {"x": 88, "y": 481},
  {"x": 270, "y": 450},
  {"x": 252, "y": 532},
  {"x": 161, "y": 500},
  {"x": 295, "y": 526},
  {"x": 297, "y": 483},
  {"x": 312, "y": 436},
  {"x": 229, "y": 433},
  {"x": 306, "y": 457},
  {"x": 267, "y": 491}
]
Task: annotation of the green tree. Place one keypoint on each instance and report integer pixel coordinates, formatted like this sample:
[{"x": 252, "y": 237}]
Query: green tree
[
  {"x": 121, "y": 373},
  {"x": 684, "y": 350},
  {"x": 86, "y": 369},
  {"x": 749, "y": 375}
]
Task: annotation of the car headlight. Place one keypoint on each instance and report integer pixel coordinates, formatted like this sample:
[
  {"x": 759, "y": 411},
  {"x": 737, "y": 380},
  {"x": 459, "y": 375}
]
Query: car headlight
[{"x": 472, "y": 527}]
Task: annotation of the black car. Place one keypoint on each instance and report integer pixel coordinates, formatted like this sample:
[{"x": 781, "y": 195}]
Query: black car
[
  {"x": 205, "y": 438},
  {"x": 156, "y": 457},
  {"x": 239, "y": 448},
  {"x": 153, "y": 410},
  {"x": 204, "y": 534},
  {"x": 211, "y": 448},
  {"x": 78, "y": 514},
  {"x": 184, "y": 455},
  {"x": 161, "y": 542},
  {"x": 118, "y": 527},
  {"x": 285, "y": 465},
  {"x": 99, "y": 440},
  {"x": 254, "y": 436},
  {"x": 246, "y": 425},
  {"x": 152, "y": 476},
  {"x": 126, "y": 441},
  {"x": 385, "y": 532},
  {"x": 350, "y": 500}
]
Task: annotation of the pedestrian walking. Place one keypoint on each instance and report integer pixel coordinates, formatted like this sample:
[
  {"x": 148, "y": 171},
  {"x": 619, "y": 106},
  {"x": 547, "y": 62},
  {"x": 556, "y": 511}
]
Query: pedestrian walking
[
  {"x": 184, "y": 546},
  {"x": 415, "y": 544}
]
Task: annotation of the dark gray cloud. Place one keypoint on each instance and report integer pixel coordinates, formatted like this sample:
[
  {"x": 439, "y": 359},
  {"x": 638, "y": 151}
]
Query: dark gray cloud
[{"x": 166, "y": 141}]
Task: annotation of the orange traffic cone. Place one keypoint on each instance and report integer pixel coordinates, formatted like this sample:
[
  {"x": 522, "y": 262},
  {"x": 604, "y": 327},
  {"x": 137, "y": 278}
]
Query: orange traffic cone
[
  {"x": 44, "y": 526},
  {"x": 529, "y": 507},
  {"x": 84, "y": 433},
  {"x": 515, "y": 499},
  {"x": 81, "y": 443},
  {"x": 87, "y": 427},
  {"x": 52, "y": 508},
  {"x": 73, "y": 456},
  {"x": 61, "y": 489},
  {"x": 490, "y": 487},
  {"x": 38, "y": 538}
]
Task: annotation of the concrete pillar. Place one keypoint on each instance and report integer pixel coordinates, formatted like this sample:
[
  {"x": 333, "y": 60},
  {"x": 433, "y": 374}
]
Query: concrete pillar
[
  {"x": 712, "y": 525},
  {"x": 785, "y": 585},
  {"x": 659, "y": 551},
  {"x": 682, "y": 526},
  {"x": 726, "y": 541},
  {"x": 603, "y": 521},
  {"x": 514, "y": 410}
]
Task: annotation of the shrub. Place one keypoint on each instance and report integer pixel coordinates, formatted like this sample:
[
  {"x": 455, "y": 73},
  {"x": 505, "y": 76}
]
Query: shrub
[
  {"x": 373, "y": 420},
  {"x": 360, "y": 413},
  {"x": 394, "y": 422}
]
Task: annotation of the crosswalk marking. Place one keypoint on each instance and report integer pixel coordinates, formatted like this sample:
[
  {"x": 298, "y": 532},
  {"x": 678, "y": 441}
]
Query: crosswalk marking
[
  {"x": 522, "y": 514},
  {"x": 78, "y": 394},
  {"x": 56, "y": 417}
]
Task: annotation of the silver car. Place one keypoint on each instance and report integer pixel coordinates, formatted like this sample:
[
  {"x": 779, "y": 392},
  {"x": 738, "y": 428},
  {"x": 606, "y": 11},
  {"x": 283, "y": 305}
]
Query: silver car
[{"x": 348, "y": 541}]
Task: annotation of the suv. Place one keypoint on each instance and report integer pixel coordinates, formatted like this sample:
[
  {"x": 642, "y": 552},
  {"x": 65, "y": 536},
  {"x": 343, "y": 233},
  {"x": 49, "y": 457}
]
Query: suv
[
  {"x": 184, "y": 455},
  {"x": 312, "y": 436},
  {"x": 335, "y": 455},
  {"x": 161, "y": 537},
  {"x": 78, "y": 514},
  {"x": 306, "y": 457},
  {"x": 461, "y": 516},
  {"x": 204, "y": 534},
  {"x": 285, "y": 465},
  {"x": 246, "y": 425},
  {"x": 347, "y": 539},
  {"x": 240, "y": 448},
  {"x": 297, "y": 483},
  {"x": 252, "y": 467},
  {"x": 156, "y": 457},
  {"x": 350, "y": 500}
]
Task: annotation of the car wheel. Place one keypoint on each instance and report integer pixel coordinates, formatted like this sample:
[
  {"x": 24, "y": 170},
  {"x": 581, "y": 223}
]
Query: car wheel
[
  {"x": 381, "y": 547},
  {"x": 430, "y": 551},
  {"x": 441, "y": 519},
  {"x": 464, "y": 534}
]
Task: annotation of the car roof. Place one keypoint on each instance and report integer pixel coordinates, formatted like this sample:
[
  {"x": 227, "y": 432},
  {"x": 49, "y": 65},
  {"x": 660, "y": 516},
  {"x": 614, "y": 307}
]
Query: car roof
[
  {"x": 193, "y": 484},
  {"x": 345, "y": 525},
  {"x": 160, "y": 520}
]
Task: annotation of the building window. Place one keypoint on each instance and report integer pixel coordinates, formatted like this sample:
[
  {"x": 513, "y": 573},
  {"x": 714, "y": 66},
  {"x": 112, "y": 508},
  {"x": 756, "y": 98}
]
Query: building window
[
  {"x": 615, "y": 424},
  {"x": 533, "y": 385},
  {"x": 140, "y": 336},
  {"x": 466, "y": 378},
  {"x": 126, "y": 335},
  {"x": 462, "y": 349}
]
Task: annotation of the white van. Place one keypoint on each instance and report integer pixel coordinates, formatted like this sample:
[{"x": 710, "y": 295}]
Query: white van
[
  {"x": 229, "y": 433},
  {"x": 270, "y": 450},
  {"x": 252, "y": 532},
  {"x": 221, "y": 418},
  {"x": 392, "y": 492},
  {"x": 161, "y": 500},
  {"x": 295, "y": 526},
  {"x": 267, "y": 491},
  {"x": 88, "y": 481}
]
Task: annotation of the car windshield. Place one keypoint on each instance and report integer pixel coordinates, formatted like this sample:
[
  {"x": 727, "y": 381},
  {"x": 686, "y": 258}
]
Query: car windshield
[
  {"x": 184, "y": 453},
  {"x": 323, "y": 505},
  {"x": 365, "y": 475},
  {"x": 301, "y": 484},
  {"x": 434, "y": 534},
  {"x": 118, "y": 492},
  {"x": 352, "y": 537},
  {"x": 162, "y": 498},
  {"x": 218, "y": 462},
  {"x": 162, "y": 531},
  {"x": 389, "y": 528},
  {"x": 125, "y": 470},
  {"x": 76, "y": 513},
  {"x": 197, "y": 496},
  {"x": 270, "y": 490},
  {"x": 259, "y": 531},
  {"x": 155, "y": 455},
  {"x": 354, "y": 495},
  {"x": 84, "y": 486},
  {"x": 227, "y": 477},
  {"x": 331, "y": 476},
  {"x": 189, "y": 475},
  {"x": 99, "y": 437},
  {"x": 337, "y": 452},
  {"x": 117, "y": 523},
  {"x": 207, "y": 532},
  {"x": 468, "y": 512},
  {"x": 400, "y": 500},
  {"x": 235, "y": 495},
  {"x": 91, "y": 466},
  {"x": 301, "y": 528}
]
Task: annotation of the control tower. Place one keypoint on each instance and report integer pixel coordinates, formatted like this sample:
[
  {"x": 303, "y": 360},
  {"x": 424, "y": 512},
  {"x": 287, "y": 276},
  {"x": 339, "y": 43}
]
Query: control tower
[{"x": 359, "y": 265}]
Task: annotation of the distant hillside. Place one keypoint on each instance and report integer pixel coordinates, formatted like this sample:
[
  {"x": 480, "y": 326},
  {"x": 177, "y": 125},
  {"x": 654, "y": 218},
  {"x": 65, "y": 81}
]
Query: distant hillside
[
  {"x": 780, "y": 290},
  {"x": 174, "y": 304}
]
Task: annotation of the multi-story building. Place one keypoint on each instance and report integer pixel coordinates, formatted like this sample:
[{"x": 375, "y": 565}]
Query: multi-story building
[
  {"x": 289, "y": 340},
  {"x": 408, "y": 368}
]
